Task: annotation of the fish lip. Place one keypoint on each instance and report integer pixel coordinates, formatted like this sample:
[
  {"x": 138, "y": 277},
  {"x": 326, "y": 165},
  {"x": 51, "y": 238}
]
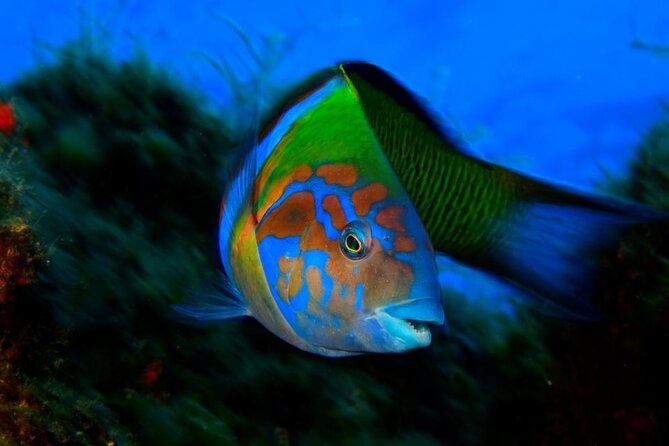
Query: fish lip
[
  {"x": 406, "y": 322},
  {"x": 422, "y": 309}
]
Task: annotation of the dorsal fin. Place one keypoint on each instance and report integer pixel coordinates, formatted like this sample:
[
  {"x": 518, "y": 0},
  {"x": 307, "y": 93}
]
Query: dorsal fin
[
  {"x": 361, "y": 73},
  {"x": 382, "y": 81}
]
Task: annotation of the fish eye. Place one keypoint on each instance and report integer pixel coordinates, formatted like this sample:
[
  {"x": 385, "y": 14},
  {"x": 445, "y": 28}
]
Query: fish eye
[{"x": 354, "y": 240}]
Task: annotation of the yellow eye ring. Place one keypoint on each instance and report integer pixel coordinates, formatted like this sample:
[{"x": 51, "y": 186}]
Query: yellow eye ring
[
  {"x": 353, "y": 244},
  {"x": 355, "y": 240}
]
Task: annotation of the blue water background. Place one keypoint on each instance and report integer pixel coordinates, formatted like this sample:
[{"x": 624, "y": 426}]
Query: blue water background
[{"x": 552, "y": 87}]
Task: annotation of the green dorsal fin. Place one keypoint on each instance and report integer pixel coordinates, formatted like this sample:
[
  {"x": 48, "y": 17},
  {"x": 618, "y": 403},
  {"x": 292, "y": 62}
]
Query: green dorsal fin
[
  {"x": 437, "y": 174},
  {"x": 364, "y": 76}
]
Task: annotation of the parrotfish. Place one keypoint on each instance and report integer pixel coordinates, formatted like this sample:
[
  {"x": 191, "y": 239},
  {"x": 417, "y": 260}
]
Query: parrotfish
[{"x": 330, "y": 231}]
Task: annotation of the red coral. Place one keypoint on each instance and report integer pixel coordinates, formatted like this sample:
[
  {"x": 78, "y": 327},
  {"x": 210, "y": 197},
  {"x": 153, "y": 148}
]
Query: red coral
[
  {"x": 152, "y": 372},
  {"x": 7, "y": 119}
]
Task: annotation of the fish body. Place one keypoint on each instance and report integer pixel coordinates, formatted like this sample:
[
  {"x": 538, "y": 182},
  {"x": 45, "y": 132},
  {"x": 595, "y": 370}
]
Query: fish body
[
  {"x": 320, "y": 238},
  {"x": 328, "y": 232}
]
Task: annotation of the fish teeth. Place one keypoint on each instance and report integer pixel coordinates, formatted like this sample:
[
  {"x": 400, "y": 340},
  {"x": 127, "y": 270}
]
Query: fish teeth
[{"x": 420, "y": 329}]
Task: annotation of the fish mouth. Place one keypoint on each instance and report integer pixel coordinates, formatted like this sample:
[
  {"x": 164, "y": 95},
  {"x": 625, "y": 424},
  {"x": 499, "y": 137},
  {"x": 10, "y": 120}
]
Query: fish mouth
[{"x": 407, "y": 322}]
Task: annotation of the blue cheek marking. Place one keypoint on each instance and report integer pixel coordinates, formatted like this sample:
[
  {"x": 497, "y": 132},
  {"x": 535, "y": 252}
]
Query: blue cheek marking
[
  {"x": 324, "y": 219},
  {"x": 359, "y": 290},
  {"x": 347, "y": 204},
  {"x": 315, "y": 257},
  {"x": 270, "y": 249},
  {"x": 300, "y": 303},
  {"x": 343, "y": 291},
  {"x": 384, "y": 235}
]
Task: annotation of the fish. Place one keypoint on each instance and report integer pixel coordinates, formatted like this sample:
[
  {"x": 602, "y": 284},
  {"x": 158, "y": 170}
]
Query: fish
[{"x": 331, "y": 229}]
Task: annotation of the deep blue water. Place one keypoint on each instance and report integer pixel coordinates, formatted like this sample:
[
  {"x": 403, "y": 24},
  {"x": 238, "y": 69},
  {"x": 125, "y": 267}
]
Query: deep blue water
[{"x": 554, "y": 88}]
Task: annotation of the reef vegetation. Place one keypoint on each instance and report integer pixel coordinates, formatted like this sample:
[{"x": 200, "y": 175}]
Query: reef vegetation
[{"x": 110, "y": 177}]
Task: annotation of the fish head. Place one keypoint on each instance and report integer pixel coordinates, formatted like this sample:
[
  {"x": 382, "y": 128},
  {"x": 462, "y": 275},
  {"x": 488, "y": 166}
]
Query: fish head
[{"x": 348, "y": 262}]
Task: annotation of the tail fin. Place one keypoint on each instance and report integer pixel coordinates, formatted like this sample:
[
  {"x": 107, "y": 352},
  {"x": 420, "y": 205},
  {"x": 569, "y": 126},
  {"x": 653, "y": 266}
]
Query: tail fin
[{"x": 554, "y": 242}]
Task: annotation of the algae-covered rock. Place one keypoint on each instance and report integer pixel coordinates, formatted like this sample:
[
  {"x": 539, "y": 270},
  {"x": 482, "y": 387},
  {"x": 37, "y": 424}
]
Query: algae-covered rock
[
  {"x": 31, "y": 344},
  {"x": 120, "y": 165},
  {"x": 612, "y": 387},
  {"x": 20, "y": 250}
]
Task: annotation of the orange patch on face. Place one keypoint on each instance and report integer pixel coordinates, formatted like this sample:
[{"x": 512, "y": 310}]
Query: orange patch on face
[
  {"x": 300, "y": 173},
  {"x": 315, "y": 287},
  {"x": 288, "y": 287},
  {"x": 314, "y": 282},
  {"x": 286, "y": 264},
  {"x": 291, "y": 218},
  {"x": 332, "y": 206},
  {"x": 404, "y": 243},
  {"x": 390, "y": 218},
  {"x": 341, "y": 174},
  {"x": 365, "y": 197}
]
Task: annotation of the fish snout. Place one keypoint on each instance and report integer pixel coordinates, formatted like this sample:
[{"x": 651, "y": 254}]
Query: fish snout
[{"x": 406, "y": 323}]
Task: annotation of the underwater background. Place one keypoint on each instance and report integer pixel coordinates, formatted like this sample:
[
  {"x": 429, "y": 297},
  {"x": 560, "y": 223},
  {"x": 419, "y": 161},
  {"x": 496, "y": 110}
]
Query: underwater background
[{"x": 118, "y": 120}]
